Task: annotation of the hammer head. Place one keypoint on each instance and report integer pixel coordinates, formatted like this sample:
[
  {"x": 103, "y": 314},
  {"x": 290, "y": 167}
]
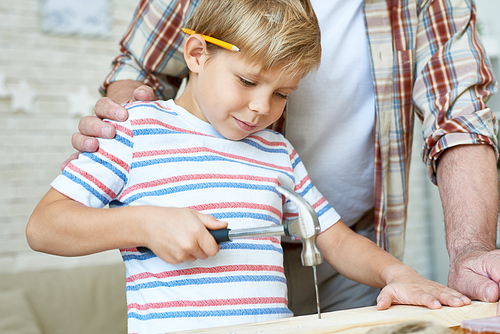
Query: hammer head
[{"x": 305, "y": 227}]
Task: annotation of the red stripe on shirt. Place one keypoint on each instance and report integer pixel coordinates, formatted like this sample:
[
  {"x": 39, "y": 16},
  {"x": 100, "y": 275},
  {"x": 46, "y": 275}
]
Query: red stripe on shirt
[
  {"x": 208, "y": 303},
  {"x": 236, "y": 205},
  {"x": 288, "y": 215},
  {"x": 152, "y": 121},
  {"x": 266, "y": 142},
  {"x": 192, "y": 177},
  {"x": 204, "y": 270},
  {"x": 205, "y": 149},
  {"x": 92, "y": 179},
  {"x": 113, "y": 158}
]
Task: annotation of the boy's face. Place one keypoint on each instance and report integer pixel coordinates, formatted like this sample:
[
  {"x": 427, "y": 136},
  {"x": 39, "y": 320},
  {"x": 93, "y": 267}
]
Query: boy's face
[{"x": 236, "y": 97}]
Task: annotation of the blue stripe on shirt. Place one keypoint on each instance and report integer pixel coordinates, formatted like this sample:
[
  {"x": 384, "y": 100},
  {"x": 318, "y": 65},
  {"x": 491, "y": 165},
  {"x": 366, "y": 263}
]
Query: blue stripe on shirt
[
  {"x": 104, "y": 200},
  {"x": 198, "y": 186},
  {"x": 263, "y": 148},
  {"x": 124, "y": 141},
  {"x": 215, "y": 313},
  {"x": 323, "y": 210},
  {"x": 108, "y": 165},
  {"x": 204, "y": 158},
  {"x": 241, "y": 245},
  {"x": 296, "y": 161},
  {"x": 223, "y": 246},
  {"x": 151, "y": 105},
  {"x": 252, "y": 215},
  {"x": 205, "y": 281},
  {"x": 153, "y": 131}
]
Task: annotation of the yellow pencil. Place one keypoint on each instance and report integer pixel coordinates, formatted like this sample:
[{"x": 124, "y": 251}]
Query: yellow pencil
[{"x": 212, "y": 40}]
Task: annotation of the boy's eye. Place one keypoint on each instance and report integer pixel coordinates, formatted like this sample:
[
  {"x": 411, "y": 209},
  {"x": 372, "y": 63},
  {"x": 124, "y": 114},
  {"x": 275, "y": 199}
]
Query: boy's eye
[
  {"x": 281, "y": 96},
  {"x": 246, "y": 82}
]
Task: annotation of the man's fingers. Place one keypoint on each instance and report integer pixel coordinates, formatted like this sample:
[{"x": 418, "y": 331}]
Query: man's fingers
[
  {"x": 477, "y": 287},
  {"x": 72, "y": 157},
  {"x": 95, "y": 127},
  {"x": 498, "y": 310},
  {"x": 83, "y": 143},
  {"x": 491, "y": 292},
  {"x": 144, "y": 93},
  {"x": 107, "y": 108}
]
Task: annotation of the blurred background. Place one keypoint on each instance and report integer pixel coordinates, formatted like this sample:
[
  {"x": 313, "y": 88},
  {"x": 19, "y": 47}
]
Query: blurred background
[{"x": 54, "y": 55}]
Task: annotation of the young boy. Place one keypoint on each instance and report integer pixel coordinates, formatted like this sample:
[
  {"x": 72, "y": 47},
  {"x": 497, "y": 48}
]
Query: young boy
[{"x": 207, "y": 161}]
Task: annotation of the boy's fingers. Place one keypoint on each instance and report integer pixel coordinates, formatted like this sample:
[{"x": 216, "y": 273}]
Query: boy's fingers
[
  {"x": 453, "y": 298},
  {"x": 383, "y": 303},
  {"x": 211, "y": 223},
  {"x": 207, "y": 243},
  {"x": 208, "y": 246},
  {"x": 433, "y": 303}
]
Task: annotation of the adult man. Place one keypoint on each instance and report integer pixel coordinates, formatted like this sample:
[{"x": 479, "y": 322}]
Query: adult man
[{"x": 422, "y": 57}]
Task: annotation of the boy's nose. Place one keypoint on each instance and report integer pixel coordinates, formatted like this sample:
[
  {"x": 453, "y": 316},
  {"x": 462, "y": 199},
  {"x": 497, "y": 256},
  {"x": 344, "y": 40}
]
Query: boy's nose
[{"x": 260, "y": 104}]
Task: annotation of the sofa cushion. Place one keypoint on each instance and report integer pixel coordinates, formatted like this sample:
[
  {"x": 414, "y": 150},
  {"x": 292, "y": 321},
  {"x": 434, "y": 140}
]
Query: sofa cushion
[
  {"x": 16, "y": 313},
  {"x": 78, "y": 301}
]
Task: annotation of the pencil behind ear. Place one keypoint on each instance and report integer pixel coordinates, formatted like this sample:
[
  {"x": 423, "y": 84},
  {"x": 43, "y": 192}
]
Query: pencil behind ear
[{"x": 194, "y": 48}]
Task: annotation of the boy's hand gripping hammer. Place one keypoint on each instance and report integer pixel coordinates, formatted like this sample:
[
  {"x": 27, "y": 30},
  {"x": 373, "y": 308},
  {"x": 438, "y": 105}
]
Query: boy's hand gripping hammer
[{"x": 305, "y": 227}]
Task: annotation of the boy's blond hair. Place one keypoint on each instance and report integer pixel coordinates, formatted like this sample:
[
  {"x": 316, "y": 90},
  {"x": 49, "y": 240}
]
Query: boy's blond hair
[{"x": 269, "y": 32}]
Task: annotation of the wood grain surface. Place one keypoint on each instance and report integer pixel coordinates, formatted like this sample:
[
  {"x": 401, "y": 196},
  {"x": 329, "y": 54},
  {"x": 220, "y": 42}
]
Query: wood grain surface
[{"x": 359, "y": 321}]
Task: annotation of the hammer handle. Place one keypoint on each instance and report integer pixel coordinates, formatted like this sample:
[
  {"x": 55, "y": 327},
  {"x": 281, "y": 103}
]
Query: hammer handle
[{"x": 221, "y": 235}]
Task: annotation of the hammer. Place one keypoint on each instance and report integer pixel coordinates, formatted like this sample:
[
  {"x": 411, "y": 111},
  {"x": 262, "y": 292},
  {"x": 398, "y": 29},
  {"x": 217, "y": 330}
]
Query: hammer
[{"x": 305, "y": 227}]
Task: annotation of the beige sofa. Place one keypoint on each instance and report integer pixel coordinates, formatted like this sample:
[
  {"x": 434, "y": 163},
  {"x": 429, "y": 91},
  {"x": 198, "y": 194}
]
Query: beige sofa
[{"x": 82, "y": 300}]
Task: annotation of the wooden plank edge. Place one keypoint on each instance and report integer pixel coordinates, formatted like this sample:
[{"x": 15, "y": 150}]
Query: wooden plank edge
[{"x": 358, "y": 321}]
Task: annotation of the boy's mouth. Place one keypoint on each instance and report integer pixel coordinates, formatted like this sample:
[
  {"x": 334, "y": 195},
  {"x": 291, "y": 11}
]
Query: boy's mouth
[{"x": 245, "y": 126}]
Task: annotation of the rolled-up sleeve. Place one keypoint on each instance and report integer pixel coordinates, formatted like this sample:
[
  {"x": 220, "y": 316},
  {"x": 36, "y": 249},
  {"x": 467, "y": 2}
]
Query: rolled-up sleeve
[{"x": 454, "y": 80}]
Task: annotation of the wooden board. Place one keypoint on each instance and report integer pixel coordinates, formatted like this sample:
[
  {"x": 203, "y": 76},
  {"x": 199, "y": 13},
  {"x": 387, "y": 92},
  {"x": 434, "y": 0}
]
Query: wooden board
[{"x": 359, "y": 321}]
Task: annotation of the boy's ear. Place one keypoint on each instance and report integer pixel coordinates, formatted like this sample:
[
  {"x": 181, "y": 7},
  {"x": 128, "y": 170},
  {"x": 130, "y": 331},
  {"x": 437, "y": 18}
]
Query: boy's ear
[{"x": 194, "y": 48}]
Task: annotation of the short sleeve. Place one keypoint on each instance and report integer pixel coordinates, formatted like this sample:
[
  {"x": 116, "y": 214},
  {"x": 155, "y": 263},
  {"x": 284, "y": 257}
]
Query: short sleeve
[{"x": 95, "y": 179}]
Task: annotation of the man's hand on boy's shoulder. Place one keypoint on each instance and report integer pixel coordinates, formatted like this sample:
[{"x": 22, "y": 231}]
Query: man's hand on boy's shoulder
[{"x": 110, "y": 107}]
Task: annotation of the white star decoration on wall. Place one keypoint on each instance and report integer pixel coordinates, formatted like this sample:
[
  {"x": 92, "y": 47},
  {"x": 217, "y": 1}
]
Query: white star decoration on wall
[
  {"x": 4, "y": 91},
  {"x": 22, "y": 96},
  {"x": 81, "y": 103}
]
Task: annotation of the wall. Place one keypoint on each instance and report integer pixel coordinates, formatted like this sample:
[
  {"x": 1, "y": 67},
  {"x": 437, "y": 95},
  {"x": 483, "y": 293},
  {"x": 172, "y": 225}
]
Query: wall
[{"x": 47, "y": 81}]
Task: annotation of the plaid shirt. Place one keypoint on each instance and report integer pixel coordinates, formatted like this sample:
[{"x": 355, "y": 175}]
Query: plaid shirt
[{"x": 426, "y": 60}]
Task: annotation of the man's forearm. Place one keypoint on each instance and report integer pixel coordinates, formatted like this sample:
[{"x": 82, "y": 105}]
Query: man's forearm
[{"x": 468, "y": 185}]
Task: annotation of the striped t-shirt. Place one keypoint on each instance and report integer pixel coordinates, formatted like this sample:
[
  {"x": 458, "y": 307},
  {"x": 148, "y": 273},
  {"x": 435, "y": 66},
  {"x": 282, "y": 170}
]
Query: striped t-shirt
[{"x": 165, "y": 156}]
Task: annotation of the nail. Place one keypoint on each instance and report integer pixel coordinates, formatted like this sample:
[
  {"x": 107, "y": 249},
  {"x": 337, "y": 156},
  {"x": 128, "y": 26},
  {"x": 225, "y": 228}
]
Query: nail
[
  {"x": 120, "y": 114},
  {"x": 486, "y": 292},
  {"x": 106, "y": 132},
  {"x": 87, "y": 144}
]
